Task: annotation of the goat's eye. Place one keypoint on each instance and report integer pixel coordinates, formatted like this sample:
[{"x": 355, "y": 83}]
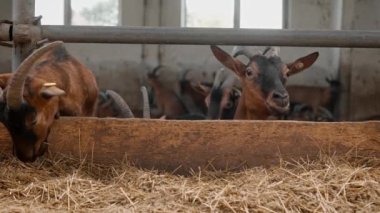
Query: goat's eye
[
  {"x": 249, "y": 73},
  {"x": 229, "y": 105}
]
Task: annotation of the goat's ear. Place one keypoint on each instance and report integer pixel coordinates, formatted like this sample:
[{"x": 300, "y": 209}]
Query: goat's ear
[
  {"x": 48, "y": 92},
  {"x": 228, "y": 61},
  {"x": 1, "y": 95},
  {"x": 4, "y": 78},
  {"x": 302, "y": 63}
]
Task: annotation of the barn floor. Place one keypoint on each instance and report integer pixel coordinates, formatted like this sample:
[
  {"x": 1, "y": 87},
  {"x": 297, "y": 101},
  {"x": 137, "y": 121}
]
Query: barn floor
[{"x": 328, "y": 185}]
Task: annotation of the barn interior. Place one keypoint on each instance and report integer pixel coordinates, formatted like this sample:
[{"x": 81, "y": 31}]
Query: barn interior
[
  {"x": 160, "y": 165},
  {"x": 123, "y": 67}
]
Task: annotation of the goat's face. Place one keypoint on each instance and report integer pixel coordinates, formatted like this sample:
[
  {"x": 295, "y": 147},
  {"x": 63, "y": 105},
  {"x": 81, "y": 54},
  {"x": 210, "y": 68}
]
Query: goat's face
[
  {"x": 30, "y": 122},
  {"x": 221, "y": 97},
  {"x": 221, "y": 101},
  {"x": 264, "y": 78}
]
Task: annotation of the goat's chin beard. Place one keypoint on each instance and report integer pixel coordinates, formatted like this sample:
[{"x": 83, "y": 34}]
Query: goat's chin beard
[{"x": 277, "y": 110}]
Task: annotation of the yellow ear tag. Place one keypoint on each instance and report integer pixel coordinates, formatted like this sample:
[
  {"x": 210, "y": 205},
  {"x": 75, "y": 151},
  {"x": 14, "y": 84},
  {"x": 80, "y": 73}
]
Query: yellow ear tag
[{"x": 50, "y": 84}]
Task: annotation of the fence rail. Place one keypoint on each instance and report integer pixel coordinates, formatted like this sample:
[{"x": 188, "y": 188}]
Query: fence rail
[{"x": 206, "y": 36}]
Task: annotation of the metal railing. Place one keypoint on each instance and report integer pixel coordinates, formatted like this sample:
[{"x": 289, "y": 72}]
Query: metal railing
[{"x": 25, "y": 33}]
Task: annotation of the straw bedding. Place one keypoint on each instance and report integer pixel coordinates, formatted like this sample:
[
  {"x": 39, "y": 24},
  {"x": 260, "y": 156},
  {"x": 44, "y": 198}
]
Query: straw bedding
[{"x": 64, "y": 184}]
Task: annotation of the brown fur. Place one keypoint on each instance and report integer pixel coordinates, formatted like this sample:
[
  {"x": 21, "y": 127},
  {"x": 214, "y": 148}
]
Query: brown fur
[
  {"x": 251, "y": 105},
  {"x": 77, "y": 82}
]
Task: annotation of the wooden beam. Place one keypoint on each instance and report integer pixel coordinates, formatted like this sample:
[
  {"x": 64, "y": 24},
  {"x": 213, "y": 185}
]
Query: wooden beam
[{"x": 186, "y": 145}]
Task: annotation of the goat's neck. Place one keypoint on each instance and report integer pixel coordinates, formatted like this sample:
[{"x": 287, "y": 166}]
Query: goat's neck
[{"x": 251, "y": 107}]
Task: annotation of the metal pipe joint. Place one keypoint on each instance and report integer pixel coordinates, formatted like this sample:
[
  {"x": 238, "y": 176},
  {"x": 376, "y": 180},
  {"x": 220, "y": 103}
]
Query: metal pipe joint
[{"x": 24, "y": 33}]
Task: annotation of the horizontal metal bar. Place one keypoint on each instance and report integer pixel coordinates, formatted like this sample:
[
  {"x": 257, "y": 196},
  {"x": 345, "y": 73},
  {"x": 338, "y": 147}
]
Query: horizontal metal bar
[{"x": 207, "y": 36}]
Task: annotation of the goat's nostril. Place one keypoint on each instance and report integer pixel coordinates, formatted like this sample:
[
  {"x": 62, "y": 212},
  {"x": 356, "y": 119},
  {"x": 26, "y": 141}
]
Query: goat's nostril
[
  {"x": 280, "y": 98},
  {"x": 276, "y": 96},
  {"x": 280, "y": 95}
]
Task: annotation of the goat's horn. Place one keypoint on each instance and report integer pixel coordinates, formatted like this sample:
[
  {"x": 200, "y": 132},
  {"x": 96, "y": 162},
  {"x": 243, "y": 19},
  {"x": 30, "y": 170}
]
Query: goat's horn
[
  {"x": 218, "y": 78},
  {"x": 156, "y": 70},
  {"x": 184, "y": 74},
  {"x": 126, "y": 112},
  {"x": 244, "y": 52},
  {"x": 146, "y": 108},
  {"x": 266, "y": 50},
  {"x": 273, "y": 51},
  {"x": 16, "y": 86}
]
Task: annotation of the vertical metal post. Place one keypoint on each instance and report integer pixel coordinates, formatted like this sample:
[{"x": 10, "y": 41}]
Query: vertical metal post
[
  {"x": 336, "y": 24},
  {"x": 285, "y": 14},
  {"x": 144, "y": 22},
  {"x": 160, "y": 24},
  {"x": 237, "y": 14},
  {"x": 345, "y": 64},
  {"x": 67, "y": 12},
  {"x": 183, "y": 13},
  {"x": 22, "y": 13}
]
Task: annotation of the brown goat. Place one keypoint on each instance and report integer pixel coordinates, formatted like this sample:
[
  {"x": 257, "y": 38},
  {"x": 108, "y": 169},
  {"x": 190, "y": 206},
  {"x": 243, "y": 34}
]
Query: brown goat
[
  {"x": 263, "y": 82},
  {"x": 168, "y": 102},
  {"x": 47, "y": 84}
]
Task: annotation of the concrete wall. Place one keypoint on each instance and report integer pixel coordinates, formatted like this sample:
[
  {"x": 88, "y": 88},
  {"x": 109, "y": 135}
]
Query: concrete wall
[
  {"x": 5, "y": 53},
  {"x": 122, "y": 67},
  {"x": 361, "y": 67}
]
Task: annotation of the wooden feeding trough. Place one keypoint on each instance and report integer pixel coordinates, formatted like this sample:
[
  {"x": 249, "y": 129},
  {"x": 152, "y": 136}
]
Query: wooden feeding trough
[{"x": 183, "y": 146}]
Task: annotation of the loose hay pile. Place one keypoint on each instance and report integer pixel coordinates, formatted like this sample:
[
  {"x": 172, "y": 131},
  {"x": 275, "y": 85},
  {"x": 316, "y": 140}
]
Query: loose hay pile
[{"x": 328, "y": 185}]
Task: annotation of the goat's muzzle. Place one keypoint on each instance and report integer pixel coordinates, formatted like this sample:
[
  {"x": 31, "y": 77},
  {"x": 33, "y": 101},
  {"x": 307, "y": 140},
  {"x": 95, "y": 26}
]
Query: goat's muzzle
[
  {"x": 29, "y": 154},
  {"x": 278, "y": 102}
]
